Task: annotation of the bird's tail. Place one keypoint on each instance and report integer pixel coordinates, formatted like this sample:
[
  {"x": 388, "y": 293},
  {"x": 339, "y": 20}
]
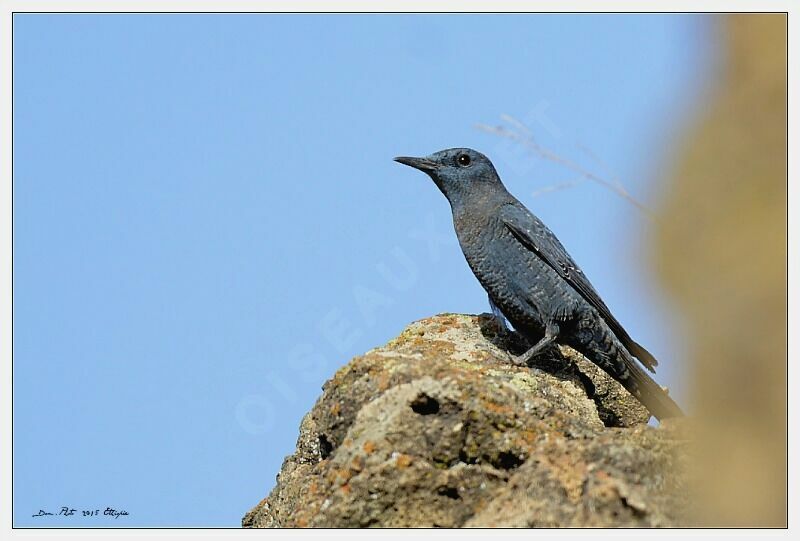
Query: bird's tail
[
  {"x": 595, "y": 339},
  {"x": 649, "y": 393}
]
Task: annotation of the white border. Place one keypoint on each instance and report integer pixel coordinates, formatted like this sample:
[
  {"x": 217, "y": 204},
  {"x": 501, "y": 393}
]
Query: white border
[{"x": 9, "y": 6}]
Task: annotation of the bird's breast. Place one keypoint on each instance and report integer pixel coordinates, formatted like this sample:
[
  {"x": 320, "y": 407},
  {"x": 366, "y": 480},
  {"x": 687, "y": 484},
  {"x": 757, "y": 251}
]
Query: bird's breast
[{"x": 523, "y": 286}]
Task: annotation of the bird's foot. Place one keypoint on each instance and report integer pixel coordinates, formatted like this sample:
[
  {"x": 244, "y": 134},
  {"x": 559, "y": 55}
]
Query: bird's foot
[
  {"x": 551, "y": 333},
  {"x": 521, "y": 360}
]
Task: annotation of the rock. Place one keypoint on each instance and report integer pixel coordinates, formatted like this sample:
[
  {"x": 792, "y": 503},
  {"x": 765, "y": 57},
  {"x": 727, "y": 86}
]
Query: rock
[{"x": 437, "y": 428}]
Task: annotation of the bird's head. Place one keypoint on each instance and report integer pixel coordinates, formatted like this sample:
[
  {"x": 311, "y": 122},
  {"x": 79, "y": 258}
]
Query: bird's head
[{"x": 458, "y": 172}]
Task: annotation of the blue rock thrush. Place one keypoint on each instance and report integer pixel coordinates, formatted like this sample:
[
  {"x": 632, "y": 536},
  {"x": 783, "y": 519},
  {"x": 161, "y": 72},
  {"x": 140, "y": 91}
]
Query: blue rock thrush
[{"x": 531, "y": 278}]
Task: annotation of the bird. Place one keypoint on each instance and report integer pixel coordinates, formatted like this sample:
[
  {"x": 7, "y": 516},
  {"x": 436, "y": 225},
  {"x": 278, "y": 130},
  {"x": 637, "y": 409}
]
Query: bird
[{"x": 531, "y": 279}]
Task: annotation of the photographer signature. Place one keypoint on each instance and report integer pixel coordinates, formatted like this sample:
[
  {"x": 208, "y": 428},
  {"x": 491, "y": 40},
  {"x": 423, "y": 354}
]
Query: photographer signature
[{"x": 71, "y": 512}]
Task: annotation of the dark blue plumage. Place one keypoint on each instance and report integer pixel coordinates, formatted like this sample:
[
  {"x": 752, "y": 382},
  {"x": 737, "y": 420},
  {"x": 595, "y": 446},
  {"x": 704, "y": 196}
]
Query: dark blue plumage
[{"x": 531, "y": 278}]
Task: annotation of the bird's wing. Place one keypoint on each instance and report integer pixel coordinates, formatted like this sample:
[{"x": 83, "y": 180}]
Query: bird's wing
[{"x": 535, "y": 236}]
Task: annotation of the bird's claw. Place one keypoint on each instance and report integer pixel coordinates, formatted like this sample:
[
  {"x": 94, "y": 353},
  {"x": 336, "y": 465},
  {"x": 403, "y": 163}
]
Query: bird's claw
[{"x": 519, "y": 360}]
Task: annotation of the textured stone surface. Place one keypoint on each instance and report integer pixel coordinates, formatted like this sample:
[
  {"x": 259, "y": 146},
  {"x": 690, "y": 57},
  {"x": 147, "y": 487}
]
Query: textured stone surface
[{"x": 437, "y": 428}]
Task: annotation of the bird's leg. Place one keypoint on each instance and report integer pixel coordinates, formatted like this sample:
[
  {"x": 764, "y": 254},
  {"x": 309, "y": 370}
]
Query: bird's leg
[
  {"x": 498, "y": 315},
  {"x": 550, "y": 334}
]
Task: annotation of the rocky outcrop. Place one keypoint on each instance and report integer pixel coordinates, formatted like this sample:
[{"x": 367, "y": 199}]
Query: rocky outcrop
[{"x": 437, "y": 428}]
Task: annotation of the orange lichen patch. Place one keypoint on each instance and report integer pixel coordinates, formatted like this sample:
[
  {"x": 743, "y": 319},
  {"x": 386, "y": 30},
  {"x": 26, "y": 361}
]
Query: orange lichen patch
[
  {"x": 403, "y": 461},
  {"x": 494, "y": 407},
  {"x": 441, "y": 347},
  {"x": 415, "y": 341},
  {"x": 448, "y": 320},
  {"x": 383, "y": 381},
  {"x": 369, "y": 446},
  {"x": 345, "y": 476},
  {"x": 526, "y": 438},
  {"x": 345, "y": 370},
  {"x": 357, "y": 464},
  {"x": 330, "y": 476},
  {"x": 338, "y": 476},
  {"x": 480, "y": 505},
  {"x": 481, "y": 355},
  {"x": 345, "y": 488},
  {"x": 604, "y": 487},
  {"x": 336, "y": 409},
  {"x": 373, "y": 369},
  {"x": 570, "y": 470},
  {"x": 454, "y": 373}
]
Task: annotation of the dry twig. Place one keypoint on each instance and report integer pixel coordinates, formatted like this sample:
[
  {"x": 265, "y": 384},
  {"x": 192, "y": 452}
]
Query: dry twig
[{"x": 521, "y": 134}]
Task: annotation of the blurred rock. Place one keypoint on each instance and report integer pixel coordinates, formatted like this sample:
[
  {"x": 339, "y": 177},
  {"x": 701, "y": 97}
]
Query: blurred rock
[
  {"x": 722, "y": 252},
  {"x": 437, "y": 428}
]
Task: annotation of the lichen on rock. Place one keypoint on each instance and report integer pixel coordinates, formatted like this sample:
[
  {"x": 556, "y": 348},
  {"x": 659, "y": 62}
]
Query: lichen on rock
[{"x": 437, "y": 428}]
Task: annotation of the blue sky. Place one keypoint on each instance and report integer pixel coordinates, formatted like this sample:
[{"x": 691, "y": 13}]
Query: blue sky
[{"x": 208, "y": 222}]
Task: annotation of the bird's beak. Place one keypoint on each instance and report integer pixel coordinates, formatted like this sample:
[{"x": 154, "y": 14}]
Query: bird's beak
[{"x": 423, "y": 164}]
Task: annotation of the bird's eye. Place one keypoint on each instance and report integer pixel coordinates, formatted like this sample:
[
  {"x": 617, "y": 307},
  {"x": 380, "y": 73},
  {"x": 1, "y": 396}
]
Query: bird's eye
[{"x": 463, "y": 160}]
